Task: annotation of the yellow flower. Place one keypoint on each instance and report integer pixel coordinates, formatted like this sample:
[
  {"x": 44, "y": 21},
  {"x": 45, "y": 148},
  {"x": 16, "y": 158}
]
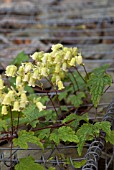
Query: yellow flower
[
  {"x": 7, "y": 100},
  {"x": 78, "y": 59},
  {"x": 26, "y": 77},
  {"x": 28, "y": 67},
  {"x": 23, "y": 100},
  {"x": 67, "y": 55},
  {"x": 44, "y": 71},
  {"x": 40, "y": 106},
  {"x": 21, "y": 70},
  {"x": 18, "y": 81},
  {"x": 4, "y": 110},
  {"x": 1, "y": 83},
  {"x": 56, "y": 47},
  {"x": 16, "y": 106},
  {"x": 64, "y": 66},
  {"x": 73, "y": 62},
  {"x": 31, "y": 82},
  {"x": 60, "y": 85},
  {"x": 35, "y": 74},
  {"x": 57, "y": 68},
  {"x": 34, "y": 56},
  {"x": 11, "y": 70}
]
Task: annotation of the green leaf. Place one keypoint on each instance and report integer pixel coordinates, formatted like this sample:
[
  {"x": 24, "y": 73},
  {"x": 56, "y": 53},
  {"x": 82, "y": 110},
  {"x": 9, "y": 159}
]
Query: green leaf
[
  {"x": 44, "y": 133},
  {"x": 20, "y": 58},
  {"x": 32, "y": 114},
  {"x": 25, "y": 137},
  {"x": 110, "y": 138},
  {"x": 79, "y": 164},
  {"x": 104, "y": 125},
  {"x": 54, "y": 136},
  {"x": 98, "y": 80},
  {"x": 83, "y": 134},
  {"x": 66, "y": 134},
  {"x": 28, "y": 164},
  {"x": 76, "y": 100},
  {"x": 64, "y": 108},
  {"x": 76, "y": 119},
  {"x": 3, "y": 125}
]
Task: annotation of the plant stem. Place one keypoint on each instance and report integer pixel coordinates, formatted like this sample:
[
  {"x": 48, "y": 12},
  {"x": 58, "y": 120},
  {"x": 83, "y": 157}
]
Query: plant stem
[
  {"x": 85, "y": 71},
  {"x": 52, "y": 104},
  {"x": 74, "y": 80},
  {"x": 80, "y": 74},
  {"x": 11, "y": 138}
]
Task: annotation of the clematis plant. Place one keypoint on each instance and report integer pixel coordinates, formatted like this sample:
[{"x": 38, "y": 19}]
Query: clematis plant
[{"x": 71, "y": 89}]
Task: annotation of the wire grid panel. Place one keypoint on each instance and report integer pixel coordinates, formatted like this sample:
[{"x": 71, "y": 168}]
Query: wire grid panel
[{"x": 89, "y": 26}]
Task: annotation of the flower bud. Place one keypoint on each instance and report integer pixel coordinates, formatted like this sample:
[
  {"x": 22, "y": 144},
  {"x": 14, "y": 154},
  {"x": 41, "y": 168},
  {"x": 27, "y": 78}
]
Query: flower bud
[
  {"x": 40, "y": 106},
  {"x": 7, "y": 100},
  {"x": 26, "y": 77},
  {"x": 11, "y": 70},
  {"x": 21, "y": 70},
  {"x": 31, "y": 82},
  {"x": 78, "y": 59},
  {"x": 73, "y": 62},
  {"x": 16, "y": 106},
  {"x": 57, "y": 78},
  {"x": 44, "y": 71},
  {"x": 4, "y": 110},
  {"x": 60, "y": 85}
]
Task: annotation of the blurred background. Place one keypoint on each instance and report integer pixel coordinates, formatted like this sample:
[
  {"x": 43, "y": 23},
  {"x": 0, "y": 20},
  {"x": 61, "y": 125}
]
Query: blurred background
[{"x": 34, "y": 25}]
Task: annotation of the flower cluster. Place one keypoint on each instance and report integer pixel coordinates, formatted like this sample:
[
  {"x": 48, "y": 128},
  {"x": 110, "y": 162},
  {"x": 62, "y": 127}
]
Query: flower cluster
[{"x": 52, "y": 66}]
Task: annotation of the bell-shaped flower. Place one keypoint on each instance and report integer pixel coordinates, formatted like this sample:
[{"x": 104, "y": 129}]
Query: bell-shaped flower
[
  {"x": 73, "y": 62},
  {"x": 60, "y": 85},
  {"x": 57, "y": 78},
  {"x": 21, "y": 70},
  {"x": 44, "y": 71},
  {"x": 56, "y": 47},
  {"x": 64, "y": 66},
  {"x": 57, "y": 59},
  {"x": 57, "y": 68},
  {"x": 26, "y": 77},
  {"x": 35, "y": 73},
  {"x": 23, "y": 98},
  {"x": 16, "y": 106},
  {"x": 79, "y": 59},
  {"x": 18, "y": 81},
  {"x": 40, "y": 106},
  {"x": 1, "y": 83},
  {"x": 31, "y": 82},
  {"x": 7, "y": 100},
  {"x": 67, "y": 55},
  {"x": 28, "y": 67},
  {"x": 11, "y": 70},
  {"x": 4, "y": 110},
  {"x": 34, "y": 56}
]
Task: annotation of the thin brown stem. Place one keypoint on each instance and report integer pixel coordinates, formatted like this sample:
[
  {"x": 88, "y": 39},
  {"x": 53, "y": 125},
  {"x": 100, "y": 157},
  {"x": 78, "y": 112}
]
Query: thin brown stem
[
  {"x": 85, "y": 70},
  {"x": 80, "y": 74},
  {"x": 75, "y": 80}
]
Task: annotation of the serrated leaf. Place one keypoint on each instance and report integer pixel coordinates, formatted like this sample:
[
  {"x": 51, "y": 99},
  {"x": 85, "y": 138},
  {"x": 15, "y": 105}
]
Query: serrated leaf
[
  {"x": 110, "y": 138},
  {"x": 24, "y": 137},
  {"x": 54, "y": 136},
  {"x": 44, "y": 133},
  {"x": 76, "y": 100},
  {"x": 104, "y": 125},
  {"x": 66, "y": 134},
  {"x": 31, "y": 113},
  {"x": 98, "y": 80},
  {"x": 20, "y": 58},
  {"x": 28, "y": 163},
  {"x": 76, "y": 119},
  {"x": 83, "y": 133},
  {"x": 3, "y": 125}
]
